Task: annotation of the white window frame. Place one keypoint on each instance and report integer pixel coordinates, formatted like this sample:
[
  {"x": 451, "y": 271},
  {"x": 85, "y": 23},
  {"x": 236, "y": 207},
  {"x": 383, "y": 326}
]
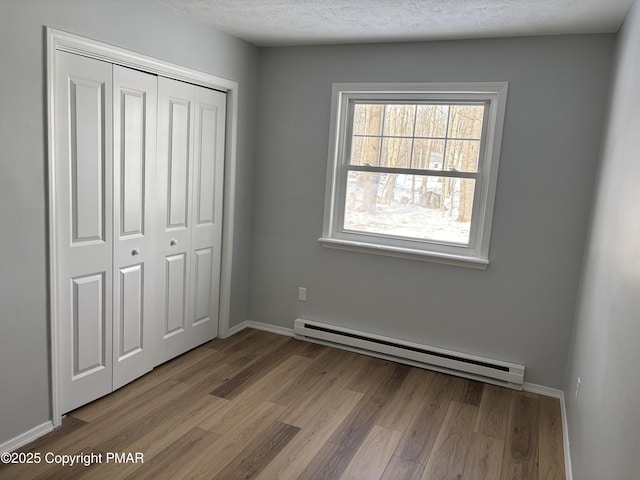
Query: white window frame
[{"x": 476, "y": 253}]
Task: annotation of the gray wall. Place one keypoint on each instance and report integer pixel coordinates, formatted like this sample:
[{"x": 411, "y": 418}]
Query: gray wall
[
  {"x": 604, "y": 422},
  {"x": 143, "y": 26},
  {"x": 522, "y": 307}
]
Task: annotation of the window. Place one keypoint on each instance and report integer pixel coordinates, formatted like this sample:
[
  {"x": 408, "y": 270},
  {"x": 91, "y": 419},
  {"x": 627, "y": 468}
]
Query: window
[{"x": 412, "y": 169}]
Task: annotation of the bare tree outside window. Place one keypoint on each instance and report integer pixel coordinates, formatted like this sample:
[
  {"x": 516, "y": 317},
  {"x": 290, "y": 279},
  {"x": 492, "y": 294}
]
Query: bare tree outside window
[{"x": 412, "y": 136}]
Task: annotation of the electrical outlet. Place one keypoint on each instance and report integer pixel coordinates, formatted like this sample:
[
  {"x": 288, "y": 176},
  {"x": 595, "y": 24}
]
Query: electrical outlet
[
  {"x": 302, "y": 294},
  {"x": 577, "y": 388}
]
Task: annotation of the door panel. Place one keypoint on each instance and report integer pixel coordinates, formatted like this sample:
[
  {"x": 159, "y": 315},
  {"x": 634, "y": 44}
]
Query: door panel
[
  {"x": 179, "y": 159},
  {"x": 175, "y": 291},
  {"x": 131, "y": 311},
  {"x": 82, "y": 178},
  {"x": 206, "y": 165},
  {"x": 203, "y": 267},
  {"x": 86, "y": 102},
  {"x": 88, "y": 311},
  {"x": 134, "y": 219},
  {"x": 133, "y": 164}
]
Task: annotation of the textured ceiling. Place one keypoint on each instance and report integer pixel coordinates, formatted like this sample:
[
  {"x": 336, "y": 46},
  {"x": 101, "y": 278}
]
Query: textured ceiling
[{"x": 304, "y": 22}]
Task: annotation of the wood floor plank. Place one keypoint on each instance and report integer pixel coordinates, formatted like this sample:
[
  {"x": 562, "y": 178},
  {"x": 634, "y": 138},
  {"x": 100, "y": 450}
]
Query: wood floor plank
[
  {"x": 329, "y": 463},
  {"x": 550, "y": 440},
  {"x": 420, "y": 436},
  {"x": 406, "y": 401},
  {"x": 144, "y": 424},
  {"x": 317, "y": 377},
  {"x": 238, "y": 339},
  {"x": 278, "y": 351},
  {"x": 520, "y": 460},
  {"x": 493, "y": 415},
  {"x": 449, "y": 453},
  {"x": 259, "y": 453},
  {"x": 229, "y": 445},
  {"x": 105, "y": 406},
  {"x": 201, "y": 368},
  {"x": 313, "y": 350},
  {"x": 206, "y": 382},
  {"x": 173, "y": 458},
  {"x": 367, "y": 377},
  {"x": 162, "y": 437},
  {"x": 262, "y": 388},
  {"x": 402, "y": 469},
  {"x": 303, "y": 400},
  {"x": 180, "y": 408},
  {"x": 472, "y": 393},
  {"x": 359, "y": 423},
  {"x": 107, "y": 427},
  {"x": 293, "y": 459},
  {"x": 372, "y": 457},
  {"x": 484, "y": 460},
  {"x": 254, "y": 345}
]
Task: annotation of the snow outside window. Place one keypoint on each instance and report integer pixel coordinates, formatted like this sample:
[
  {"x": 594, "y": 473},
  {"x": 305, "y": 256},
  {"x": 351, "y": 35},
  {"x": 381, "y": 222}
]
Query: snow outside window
[{"x": 412, "y": 169}]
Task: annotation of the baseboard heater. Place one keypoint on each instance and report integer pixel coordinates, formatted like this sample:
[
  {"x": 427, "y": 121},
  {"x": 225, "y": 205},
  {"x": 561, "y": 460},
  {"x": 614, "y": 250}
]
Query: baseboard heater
[{"x": 446, "y": 361}]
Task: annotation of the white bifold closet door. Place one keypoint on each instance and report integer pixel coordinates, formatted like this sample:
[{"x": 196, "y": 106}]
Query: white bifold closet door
[
  {"x": 134, "y": 224},
  {"x": 190, "y": 178},
  {"x": 84, "y": 182},
  {"x": 139, "y": 197}
]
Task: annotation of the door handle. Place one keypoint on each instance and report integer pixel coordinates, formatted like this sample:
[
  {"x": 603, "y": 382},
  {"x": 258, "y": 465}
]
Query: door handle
[
  {"x": 173, "y": 242},
  {"x": 135, "y": 251}
]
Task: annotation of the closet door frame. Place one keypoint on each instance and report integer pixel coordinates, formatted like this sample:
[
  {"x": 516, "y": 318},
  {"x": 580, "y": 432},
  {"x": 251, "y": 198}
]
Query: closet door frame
[{"x": 66, "y": 42}]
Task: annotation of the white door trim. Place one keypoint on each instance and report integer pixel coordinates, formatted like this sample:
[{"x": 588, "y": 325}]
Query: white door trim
[{"x": 67, "y": 42}]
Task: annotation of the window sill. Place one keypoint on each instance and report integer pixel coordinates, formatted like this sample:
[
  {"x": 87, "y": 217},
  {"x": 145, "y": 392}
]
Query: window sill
[{"x": 401, "y": 252}]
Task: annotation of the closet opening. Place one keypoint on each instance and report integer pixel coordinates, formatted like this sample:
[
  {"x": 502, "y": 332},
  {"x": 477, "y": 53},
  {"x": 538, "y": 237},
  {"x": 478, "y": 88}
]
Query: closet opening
[{"x": 142, "y": 157}]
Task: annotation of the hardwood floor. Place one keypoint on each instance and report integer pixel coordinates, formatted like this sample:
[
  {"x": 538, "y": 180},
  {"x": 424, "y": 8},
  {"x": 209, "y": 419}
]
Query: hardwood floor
[{"x": 259, "y": 405}]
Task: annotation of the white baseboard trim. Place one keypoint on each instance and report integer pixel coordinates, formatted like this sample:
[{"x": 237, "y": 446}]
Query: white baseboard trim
[
  {"x": 271, "y": 328},
  {"x": 236, "y": 329},
  {"x": 265, "y": 327},
  {"x": 565, "y": 437},
  {"x": 26, "y": 437},
  {"x": 542, "y": 390}
]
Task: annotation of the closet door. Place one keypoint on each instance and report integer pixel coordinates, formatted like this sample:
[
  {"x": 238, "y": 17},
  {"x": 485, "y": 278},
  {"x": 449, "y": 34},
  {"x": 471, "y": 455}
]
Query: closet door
[
  {"x": 138, "y": 187},
  {"x": 206, "y": 232},
  {"x": 134, "y": 223},
  {"x": 190, "y": 178},
  {"x": 83, "y": 183}
]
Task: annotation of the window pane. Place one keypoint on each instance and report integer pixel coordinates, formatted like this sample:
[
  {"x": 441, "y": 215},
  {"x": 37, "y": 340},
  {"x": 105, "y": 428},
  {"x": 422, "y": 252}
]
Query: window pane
[
  {"x": 466, "y": 121},
  {"x": 365, "y": 151},
  {"x": 367, "y": 119},
  {"x": 396, "y": 152},
  {"x": 432, "y": 120},
  {"x": 462, "y": 155},
  {"x": 399, "y": 120},
  {"x": 415, "y": 207},
  {"x": 428, "y": 154}
]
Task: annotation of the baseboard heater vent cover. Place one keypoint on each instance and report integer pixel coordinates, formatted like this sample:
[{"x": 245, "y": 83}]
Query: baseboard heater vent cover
[{"x": 447, "y": 361}]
